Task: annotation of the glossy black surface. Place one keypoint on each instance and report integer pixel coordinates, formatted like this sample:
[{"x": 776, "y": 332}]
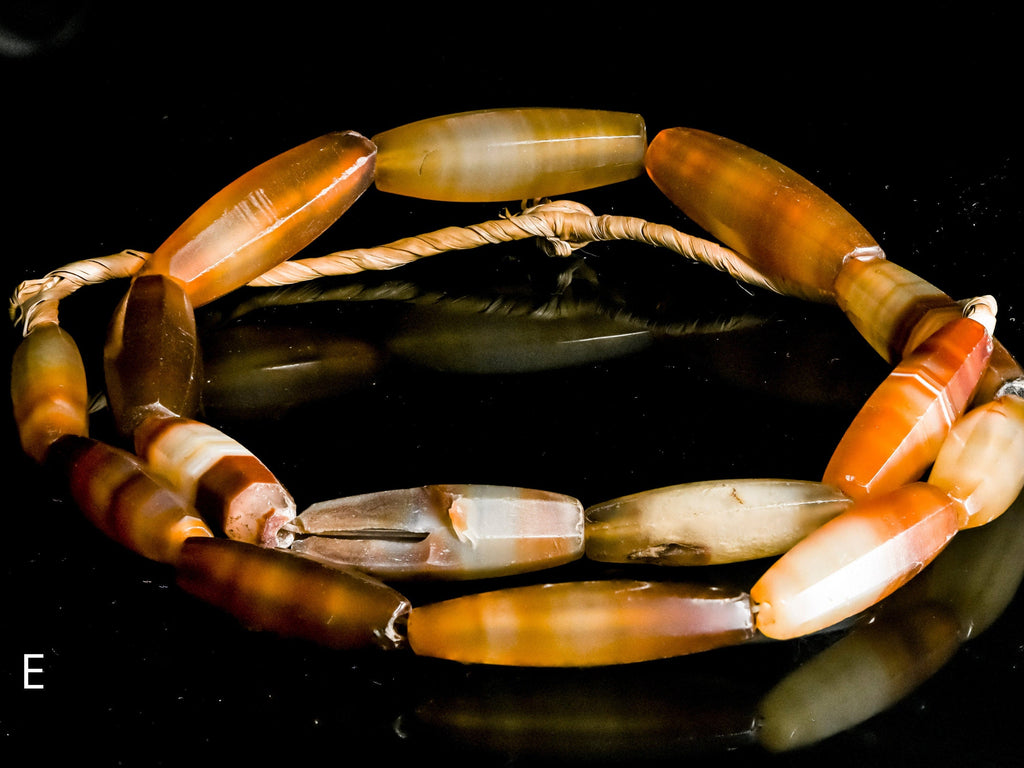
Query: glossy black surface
[{"x": 119, "y": 129}]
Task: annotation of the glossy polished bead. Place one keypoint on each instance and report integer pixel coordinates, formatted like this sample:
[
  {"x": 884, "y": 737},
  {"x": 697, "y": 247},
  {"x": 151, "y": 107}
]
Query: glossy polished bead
[
  {"x": 227, "y": 484},
  {"x": 151, "y": 359},
  {"x": 853, "y": 561},
  {"x": 444, "y": 531},
  {"x": 48, "y": 389},
  {"x": 274, "y": 591},
  {"x": 898, "y": 432},
  {"x": 116, "y": 492},
  {"x": 783, "y": 225},
  {"x": 581, "y": 624},
  {"x": 981, "y": 462},
  {"x": 510, "y": 154},
  {"x": 857, "y": 677},
  {"x": 266, "y": 216},
  {"x": 709, "y": 522}
]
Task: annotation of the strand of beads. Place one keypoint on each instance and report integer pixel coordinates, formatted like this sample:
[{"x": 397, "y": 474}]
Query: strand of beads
[{"x": 796, "y": 238}]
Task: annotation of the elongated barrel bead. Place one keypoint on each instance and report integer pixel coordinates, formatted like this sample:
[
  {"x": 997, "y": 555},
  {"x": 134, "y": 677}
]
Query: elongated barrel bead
[
  {"x": 266, "y": 216},
  {"x": 854, "y": 560},
  {"x": 857, "y": 677},
  {"x": 151, "y": 359},
  {"x": 898, "y": 432},
  {"x": 581, "y": 624},
  {"x": 116, "y": 492},
  {"x": 718, "y": 521},
  {"x": 48, "y": 389},
  {"x": 274, "y": 591},
  {"x": 510, "y": 154},
  {"x": 229, "y": 486},
  {"x": 444, "y": 531},
  {"x": 784, "y": 226},
  {"x": 981, "y": 462}
]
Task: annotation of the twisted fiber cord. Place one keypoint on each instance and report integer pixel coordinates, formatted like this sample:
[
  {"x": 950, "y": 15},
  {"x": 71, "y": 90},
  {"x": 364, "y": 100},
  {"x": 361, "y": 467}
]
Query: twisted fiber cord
[{"x": 562, "y": 227}]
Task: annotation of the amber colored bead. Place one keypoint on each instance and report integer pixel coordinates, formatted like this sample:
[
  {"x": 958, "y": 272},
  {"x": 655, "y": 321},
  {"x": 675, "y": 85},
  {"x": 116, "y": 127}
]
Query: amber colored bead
[
  {"x": 981, "y": 462},
  {"x": 898, "y": 432},
  {"x": 581, "y": 624},
  {"x": 151, "y": 358},
  {"x": 854, "y": 560},
  {"x": 783, "y": 225},
  {"x": 510, "y": 154},
  {"x": 116, "y": 492},
  {"x": 266, "y": 216},
  {"x": 48, "y": 389},
  {"x": 272, "y": 590}
]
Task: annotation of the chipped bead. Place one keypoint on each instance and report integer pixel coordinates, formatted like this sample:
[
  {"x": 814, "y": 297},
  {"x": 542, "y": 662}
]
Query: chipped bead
[
  {"x": 151, "y": 359},
  {"x": 981, "y": 462},
  {"x": 510, "y": 154},
  {"x": 581, "y": 624},
  {"x": 898, "y": 432},
  {"x": 784, "y": 226},
  {"x": 227, "y": 484},
  {"x": 718, "y": 521},
  {"x": 48, "y": 389},
  {"x": 444, "y": 531},
  {"x": 266, "y": 216},
  {"x": 274, "y": 591},
  {"x": 119, "y": 496},
  {"x": 858, "y": 676},
  {"x": 854, "y": 560}
]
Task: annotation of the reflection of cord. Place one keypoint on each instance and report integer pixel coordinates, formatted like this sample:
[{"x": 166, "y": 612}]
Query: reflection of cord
[
  {"x": 563, "y": 227},
  {"x": 45, "y": 28}
]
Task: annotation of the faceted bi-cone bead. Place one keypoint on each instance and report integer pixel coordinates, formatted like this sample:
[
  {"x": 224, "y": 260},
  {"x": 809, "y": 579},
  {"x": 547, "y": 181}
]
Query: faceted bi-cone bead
[
  {"x": 581, "y": 624},
  {"x": 898, "y": 432},
  {"x": 225, "y": 481},
  {"x": 275, "y": 591},
  {"x": 266, "y": 216},
  {"x": 444, "y": 531},
  {"x": 854, "y": 560},
  {"x": 116, "y": 492},
  {"x": 151, "y": 358},
  {"x": 48, "y": 389},
  {"x": 784, "y": 226},
  {"x": 703, "y": 523},
  {"x": 510, "y": 154}
]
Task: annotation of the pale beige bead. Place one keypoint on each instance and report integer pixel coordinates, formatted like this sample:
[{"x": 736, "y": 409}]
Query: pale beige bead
[
  {"x": 510, "y": 154},
  {"x": 718, "y": 521},
  {"x": 981, "y": 462}
]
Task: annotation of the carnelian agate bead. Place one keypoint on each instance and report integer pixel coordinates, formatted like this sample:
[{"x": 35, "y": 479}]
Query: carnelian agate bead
[
  {"x": 900, "y": 429},
  {"x": 717, "y": 521},
  {"x": 272, "y": 590},
  {"x": 266, "y": 216},
  {"x": 510, "y": 154},
  {"x": 116, "y": 492},
  {"x": 444, "y": 531},
  {"x": 48, "y": 389},
  {"x": 224, "y": 480},
  {"x": 151, "y": 359},
  {"x": 981, "y": 462},
  {"x": 784, "y": 226},
  {"x": 581, "y": 624},
  {"x": 854, "y": 560}
]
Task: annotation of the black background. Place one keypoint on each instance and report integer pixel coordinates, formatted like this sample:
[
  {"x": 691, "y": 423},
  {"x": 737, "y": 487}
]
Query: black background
[{"x": 117, "y": 123}]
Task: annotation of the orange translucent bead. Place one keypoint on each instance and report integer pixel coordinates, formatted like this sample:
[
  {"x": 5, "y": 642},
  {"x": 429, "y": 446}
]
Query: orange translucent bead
[
  {"x": 115, "y": 492},
  {"x": 898, "y": 432},
  {"x": 854, "y": 560},
  {"x": 151, "y": 359},
  {"x": 275, "y": 591},
  {"x": 581, "y": 624},
  {"x": 48, "y": 389},
  {"x": 784, "y": 226},
  {"x": 266, "y": 216}
]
